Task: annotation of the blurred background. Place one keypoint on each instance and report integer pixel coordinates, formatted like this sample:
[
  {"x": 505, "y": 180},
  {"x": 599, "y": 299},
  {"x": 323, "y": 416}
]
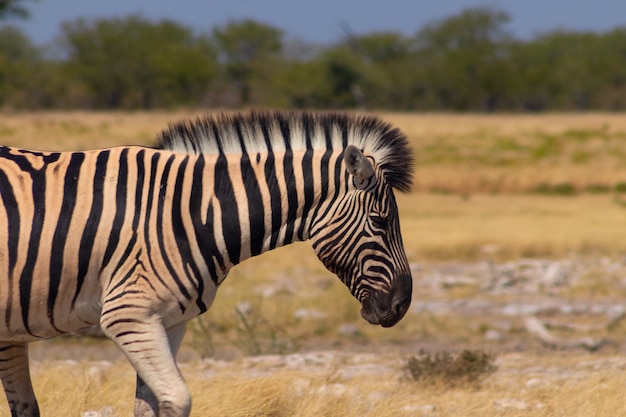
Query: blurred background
[{"x": 400, "y": 55}]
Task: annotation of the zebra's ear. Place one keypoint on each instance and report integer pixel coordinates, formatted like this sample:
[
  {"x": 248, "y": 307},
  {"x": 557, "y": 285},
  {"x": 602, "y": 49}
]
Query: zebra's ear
[{"x": 358, "y": 165}]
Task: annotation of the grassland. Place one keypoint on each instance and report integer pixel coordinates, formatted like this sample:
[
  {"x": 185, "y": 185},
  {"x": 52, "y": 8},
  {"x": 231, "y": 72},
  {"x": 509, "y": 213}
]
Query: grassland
[{"x": 487, "y": 189}]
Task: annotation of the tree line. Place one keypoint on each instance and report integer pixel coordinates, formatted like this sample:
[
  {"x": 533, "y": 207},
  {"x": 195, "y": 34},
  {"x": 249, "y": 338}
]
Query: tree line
[{"x": 466, "y": 62}]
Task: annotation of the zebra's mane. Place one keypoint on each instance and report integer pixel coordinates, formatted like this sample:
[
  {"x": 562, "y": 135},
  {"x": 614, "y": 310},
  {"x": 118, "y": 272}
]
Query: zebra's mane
[{"x": 264, "y": 131}]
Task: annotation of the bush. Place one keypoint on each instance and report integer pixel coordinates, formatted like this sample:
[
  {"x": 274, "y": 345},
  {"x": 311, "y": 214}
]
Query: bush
[
  {"x": 562, "y": 188},
  {"x": 467, "y": 368},
  {"x": 620, "y": 187}
]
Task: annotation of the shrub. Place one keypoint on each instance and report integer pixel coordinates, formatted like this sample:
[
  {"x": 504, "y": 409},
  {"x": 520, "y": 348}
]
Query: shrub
[
  {"x": 467, "y": 368},
  {"x": 562, "y": 188},
  {"x": 620, "y": 187}
]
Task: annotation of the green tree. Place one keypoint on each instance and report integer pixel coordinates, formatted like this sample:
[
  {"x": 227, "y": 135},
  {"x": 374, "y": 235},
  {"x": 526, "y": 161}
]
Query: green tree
[
  {"x": 388, "y": 69},
  {"x": 20, "y": 66},
  {"x": 132, "y": 62},
  {"x": 466, "y": 59},
  {"x": 560, "y": 70},
  {"x": 13, "y": 8},
  {"x": 249, "y": 52},
  {"x": 610, "y": 68},
  {"x": 328, "y": 80}
]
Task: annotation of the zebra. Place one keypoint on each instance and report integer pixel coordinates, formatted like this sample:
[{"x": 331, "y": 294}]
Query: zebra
[{"x": 138, "y": 239}]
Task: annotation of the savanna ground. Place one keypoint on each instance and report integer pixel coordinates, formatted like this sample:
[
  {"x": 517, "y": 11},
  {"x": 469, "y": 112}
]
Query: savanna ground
[{"x": 511, "y": 217}]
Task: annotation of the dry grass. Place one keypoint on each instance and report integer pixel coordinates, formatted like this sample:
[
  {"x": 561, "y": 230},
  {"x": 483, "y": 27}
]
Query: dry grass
[
  {"x": 449, "y": 227},
  {"x": 513, "y": 153},
  {"x": 573, "y": 385}
]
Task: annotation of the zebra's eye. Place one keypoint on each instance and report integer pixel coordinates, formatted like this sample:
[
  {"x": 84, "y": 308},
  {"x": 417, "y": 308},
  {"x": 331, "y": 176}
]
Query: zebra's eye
[{"x": 379, "y": 221}]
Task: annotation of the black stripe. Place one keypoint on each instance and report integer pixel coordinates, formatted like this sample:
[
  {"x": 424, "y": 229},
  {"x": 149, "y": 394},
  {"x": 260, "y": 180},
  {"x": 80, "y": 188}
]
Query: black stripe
[
  {"x": 23, "y": 162},
  {"x": 159, "y": 221},
  {"x": 307, "y": 174},
  {"x": 328, "y": 135},
  {"x": 147, "y": 232},
  {"x": 39, "y": 211},
  {"x": 70, "y": 189},
  {"x": 204, "y": 234},
  {"x": 134, "y": 333},
  {"x": 292, "y": 196},
  {"x": 256, "y": 215},
  {"x": 209, "y": 245},
  {"x": 242, "y": 141},
  {"x": 272, "y": 185},
  {"x": 121, "y": 197},
  {"x": 324, "y": 181},
  {"x": 325, "y": 169},
  {"x": 338, "y": 177},
  {"x": 93, "y": 220},
  {"x": 124, "y": 321},
  {"x": 308, "y": 126},
  {"x": 140, "y": 179},
  {"x": 256, "y": 210},
  {"x": 285, "y": 130},
  {"x": 182, "y": 240},
  {"x": 9, "y": 202},
  {"x": 120, "y": 282},
  {"x": 231, "y": 228},
  {"x": 290, "y": 180},
  {"x": 343, "y": 125}
]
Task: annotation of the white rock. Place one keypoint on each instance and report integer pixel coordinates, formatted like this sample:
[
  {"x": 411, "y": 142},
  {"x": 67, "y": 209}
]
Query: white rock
[
  {"x": 554, "y": 275},
  {"x": 533, "y": 383},
  {"x": 348, "y": 329},
  {"x": 418, "y": 408},
  {"x": 305, "y": 313},
  {"x": 510, "y": 404},
  {"x": 493, "y": 336},
  {"x": 95, "y": 375},
  {"x": 106, "y": 411},
  {"x": 332, "y": 390}
]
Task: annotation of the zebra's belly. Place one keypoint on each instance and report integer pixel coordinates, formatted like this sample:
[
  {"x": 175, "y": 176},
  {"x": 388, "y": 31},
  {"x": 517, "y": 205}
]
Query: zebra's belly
[
  {"x": 37, "y": 317},
  {"x": 17, "y": 326}
]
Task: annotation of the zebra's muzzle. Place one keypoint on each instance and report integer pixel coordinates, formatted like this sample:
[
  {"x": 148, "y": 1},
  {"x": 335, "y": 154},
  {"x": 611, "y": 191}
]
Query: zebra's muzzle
[{"x": 387, "y": 309}]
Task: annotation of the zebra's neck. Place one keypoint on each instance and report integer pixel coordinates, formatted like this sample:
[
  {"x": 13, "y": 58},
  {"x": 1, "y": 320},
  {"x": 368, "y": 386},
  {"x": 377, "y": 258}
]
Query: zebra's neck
[{"x": 262, "y": 201}]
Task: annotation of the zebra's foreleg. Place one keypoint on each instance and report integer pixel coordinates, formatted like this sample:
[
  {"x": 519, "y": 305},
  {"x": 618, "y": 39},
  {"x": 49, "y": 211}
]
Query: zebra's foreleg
[
  {"x": 161, "y": 390},
  {"x": 146, "y": 403},
  {"x": 15, "y": 375}
]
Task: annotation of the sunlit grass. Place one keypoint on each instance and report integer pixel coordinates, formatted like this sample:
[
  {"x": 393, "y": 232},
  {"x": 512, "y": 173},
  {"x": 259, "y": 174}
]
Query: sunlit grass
[
  {"x": 576, "y": 384},
  {"x": 450, "y": 227},
  {"x": 514, "y": 153}
]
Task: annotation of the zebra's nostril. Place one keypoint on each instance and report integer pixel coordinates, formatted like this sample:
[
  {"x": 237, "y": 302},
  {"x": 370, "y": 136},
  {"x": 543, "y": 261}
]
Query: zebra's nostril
[{"x": 400, "y": 306}]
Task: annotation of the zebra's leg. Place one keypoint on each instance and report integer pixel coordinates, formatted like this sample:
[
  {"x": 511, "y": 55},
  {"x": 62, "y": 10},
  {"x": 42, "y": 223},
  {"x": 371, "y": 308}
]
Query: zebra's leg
[
  {"x": 146, "y": 403},
  {"x": 161, "y": 390},
  {"x": 15, "y": 375}
]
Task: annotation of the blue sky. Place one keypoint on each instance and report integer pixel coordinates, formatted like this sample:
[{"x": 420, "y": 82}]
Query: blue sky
[{"x": 321, "y": 20}]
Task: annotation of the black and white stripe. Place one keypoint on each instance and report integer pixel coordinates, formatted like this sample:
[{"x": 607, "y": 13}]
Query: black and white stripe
[{"x": 138, "y": 239}]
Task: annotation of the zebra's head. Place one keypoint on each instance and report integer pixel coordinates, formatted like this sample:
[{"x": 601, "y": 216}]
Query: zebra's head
[{"x": 358, "y": 238}]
